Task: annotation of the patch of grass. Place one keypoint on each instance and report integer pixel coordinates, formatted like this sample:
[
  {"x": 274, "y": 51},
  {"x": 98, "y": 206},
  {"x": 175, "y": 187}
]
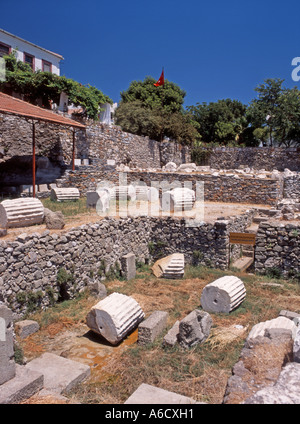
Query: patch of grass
[{"x": 68, "y": 208}]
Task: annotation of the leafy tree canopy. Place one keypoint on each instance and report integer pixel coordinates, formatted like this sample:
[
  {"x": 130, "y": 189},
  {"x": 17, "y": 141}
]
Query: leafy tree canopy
[
  {"x": 220, "y": 122},
  {"x": 48, "y": 87},
  {"x": 155, "y": 112},
  {"x": 275, "y": 113}
]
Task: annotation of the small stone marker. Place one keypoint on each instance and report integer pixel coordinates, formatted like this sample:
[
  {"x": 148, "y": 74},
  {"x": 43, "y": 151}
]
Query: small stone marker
[
  {"x": 151, "y": 328},
  {"x": 54, "y": 220},
  {"x": 194, "y": 328},
  {"x": 26, "y": 327},
  {"x": 114, "y": 317},
  {"x": 7, "y": 362},
  {"x": 128, "y": 266},
  {"x": 223, "y": 295}
]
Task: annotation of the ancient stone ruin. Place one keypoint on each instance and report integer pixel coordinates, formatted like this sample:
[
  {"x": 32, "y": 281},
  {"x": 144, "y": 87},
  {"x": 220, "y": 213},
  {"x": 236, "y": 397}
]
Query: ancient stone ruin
[
  {"x": 21, "y": 212},
  {"x": 114, "y": 317}
]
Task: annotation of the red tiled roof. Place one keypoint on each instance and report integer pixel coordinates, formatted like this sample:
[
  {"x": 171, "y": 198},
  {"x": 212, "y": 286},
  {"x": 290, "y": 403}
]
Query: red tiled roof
[{"x": 9, "y": 104}]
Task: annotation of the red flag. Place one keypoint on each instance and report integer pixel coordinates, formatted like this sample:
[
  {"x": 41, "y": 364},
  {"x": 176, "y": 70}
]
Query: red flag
[{"x": 161, "y": 80}]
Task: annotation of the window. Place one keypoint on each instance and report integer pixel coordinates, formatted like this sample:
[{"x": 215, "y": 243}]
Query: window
[
  {"x": 28, "y": 58},
  {"x": 4, "y": 49},
  {"x": 47, "y": 66}
]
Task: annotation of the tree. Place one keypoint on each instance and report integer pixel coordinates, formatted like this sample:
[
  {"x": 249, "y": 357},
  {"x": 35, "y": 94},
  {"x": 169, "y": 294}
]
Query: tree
[
  {"x": 275, "y": 114},
  {"x": 155, "y": 112},
  {"x": 220, "y": 122}
]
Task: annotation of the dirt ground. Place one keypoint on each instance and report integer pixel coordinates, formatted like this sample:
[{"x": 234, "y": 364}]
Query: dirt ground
[{"x": 208, "y": 213}]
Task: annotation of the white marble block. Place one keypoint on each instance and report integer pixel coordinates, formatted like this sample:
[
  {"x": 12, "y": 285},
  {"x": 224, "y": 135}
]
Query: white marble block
[
  {"x": 171, "y": 266},
  {"x": 22, "y": 212},
  {"x": 114, "y": 317},
  {"x": 66, "y": 193},
  {"x": 223, "y": 295}
]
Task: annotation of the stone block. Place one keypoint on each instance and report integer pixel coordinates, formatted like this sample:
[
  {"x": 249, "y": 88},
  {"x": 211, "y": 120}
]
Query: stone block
[
  {"x": 7, "y": 362},
  {"x": 194, "y": 328},
  {"x": 152, "y": 327},
  {"x": 128, "y": 266},
  {"x": 60, "y": 374},
  {"x": 171, "y": 338},
  {"x": 26, "y": 327},
  {"x": 24, "y": 385},
  {"x": 276, "y": 323},
  {"x": 289, "y": 314},
  {"x": 147, "y": 394},
  {"x": 54, "y": 220},
  {"x": 296, "y": 346}
]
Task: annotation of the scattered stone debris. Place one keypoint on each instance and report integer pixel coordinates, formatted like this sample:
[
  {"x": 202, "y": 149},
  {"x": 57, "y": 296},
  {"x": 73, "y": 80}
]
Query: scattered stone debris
[
  {"x": 26, "y": 327},
  {"x": 194, "y": 328},
  {"x": 54, "y": 220}
]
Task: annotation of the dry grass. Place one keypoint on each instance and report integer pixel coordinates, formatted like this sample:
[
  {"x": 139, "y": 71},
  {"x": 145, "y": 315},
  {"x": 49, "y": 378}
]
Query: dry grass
[{"x": 200, "y": 372}]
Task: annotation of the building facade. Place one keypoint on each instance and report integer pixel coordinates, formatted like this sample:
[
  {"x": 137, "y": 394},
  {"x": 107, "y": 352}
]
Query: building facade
[{"x": 37, "y": 57}]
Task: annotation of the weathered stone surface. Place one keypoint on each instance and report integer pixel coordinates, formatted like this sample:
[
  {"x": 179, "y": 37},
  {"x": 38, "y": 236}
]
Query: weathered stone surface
[
  {"x": 151, "y": 328},
  {"x": 7, "y": 363},
  {"x": 194, "y": 328},
  {"x": 114, "y": 317},
  {"x": 97, "y": 289},
  {"x": 128, "y": 265},
  {"x": 276, "y": 323},
  {"x": 21, "y": 212},
  {"x": 171, "y": 338},
  {"x": 63, "y": 194},
  {"x": 223, "y": 295},
  {"x": 171, "y": 266},
  {"x": 26, "y": 327},
  {"x": 60, "y": 374},
  {"x": 146, "y": 394},
  {"x": 286, "y": 390},
  {"x": 54, "y": 220},
  {"x": 178, "y": 199},
  {"x": 296, "y": 347},
  {"x": 22, "y": 386}
]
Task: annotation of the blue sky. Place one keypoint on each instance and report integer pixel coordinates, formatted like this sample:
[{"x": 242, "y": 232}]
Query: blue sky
[{"x": 211, "y": 49}]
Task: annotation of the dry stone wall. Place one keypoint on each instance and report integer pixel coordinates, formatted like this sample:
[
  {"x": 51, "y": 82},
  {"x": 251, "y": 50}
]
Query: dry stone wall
[
  {"x": 278, "y": 249},
  {"x": 267, "y": 158},
  {"x": 221, "y": 188},
  {"x": 39, "y": 269}
]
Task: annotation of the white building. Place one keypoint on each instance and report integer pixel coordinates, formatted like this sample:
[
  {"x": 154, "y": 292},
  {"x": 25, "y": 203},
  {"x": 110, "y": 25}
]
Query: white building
[{"x": 37, "y": 57}]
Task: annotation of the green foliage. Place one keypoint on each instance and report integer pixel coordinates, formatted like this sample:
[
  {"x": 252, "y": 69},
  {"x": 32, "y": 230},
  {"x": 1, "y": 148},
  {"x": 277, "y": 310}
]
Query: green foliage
[
  {"x": 47, "y": 87},
  {"x": 221, "y": 122},
  {"x": 155, "y": 112},
  {"x": 275, "y": 114},
  {"x": 64, "y": 277}
]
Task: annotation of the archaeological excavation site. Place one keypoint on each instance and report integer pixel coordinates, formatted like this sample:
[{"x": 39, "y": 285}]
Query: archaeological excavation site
[{"x": 130, "y": 274}]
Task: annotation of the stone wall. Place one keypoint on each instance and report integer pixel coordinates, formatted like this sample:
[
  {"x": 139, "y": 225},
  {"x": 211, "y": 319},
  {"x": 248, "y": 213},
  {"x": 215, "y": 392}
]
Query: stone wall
[
  {"x": 98, "y": 141},
  {"x": 31, "y": 264},
  {"x": 278, "y": 248},
  {"x": 221, "y": 188},
  {"x": 292, "y": 187},
  {"x": 267, "y": 158}
]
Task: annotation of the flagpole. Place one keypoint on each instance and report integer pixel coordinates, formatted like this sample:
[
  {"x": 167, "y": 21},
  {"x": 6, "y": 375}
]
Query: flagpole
[{"x": 162, "y": 102}]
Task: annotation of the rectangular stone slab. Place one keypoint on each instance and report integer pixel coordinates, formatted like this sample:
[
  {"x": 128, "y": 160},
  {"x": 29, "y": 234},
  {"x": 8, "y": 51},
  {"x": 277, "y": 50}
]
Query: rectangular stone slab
[{"x": 60, "y": 374}]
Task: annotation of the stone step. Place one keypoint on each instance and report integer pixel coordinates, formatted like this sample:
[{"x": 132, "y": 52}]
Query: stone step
[{"x": 243, "y": 263}]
